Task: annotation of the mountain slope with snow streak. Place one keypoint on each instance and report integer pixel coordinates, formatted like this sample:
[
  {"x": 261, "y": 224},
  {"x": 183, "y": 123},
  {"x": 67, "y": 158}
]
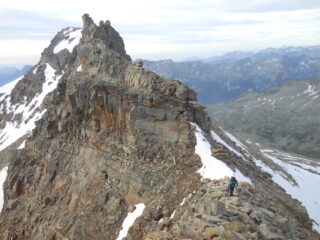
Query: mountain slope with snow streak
[
  {"x": 29, "y": 111},
  {"x": 307, "y": 181},
  {"x": 298, "y": 176},
  {"x": 213, "y": 168},
  {"x": 287, "y": 116},
  {"x": 21, "y": 99}
]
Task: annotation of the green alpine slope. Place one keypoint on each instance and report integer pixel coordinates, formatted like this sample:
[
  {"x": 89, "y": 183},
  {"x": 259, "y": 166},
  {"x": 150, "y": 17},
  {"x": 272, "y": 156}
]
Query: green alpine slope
[{"x": 287, "y": 116}]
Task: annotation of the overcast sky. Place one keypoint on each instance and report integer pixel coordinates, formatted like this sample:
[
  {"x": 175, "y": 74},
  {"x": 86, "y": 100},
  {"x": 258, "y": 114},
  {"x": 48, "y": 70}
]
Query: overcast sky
[{"x": 157, "y": 29}]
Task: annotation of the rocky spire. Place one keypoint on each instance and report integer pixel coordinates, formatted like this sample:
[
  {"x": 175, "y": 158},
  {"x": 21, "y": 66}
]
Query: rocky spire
[{"x": 105, "y": 33}]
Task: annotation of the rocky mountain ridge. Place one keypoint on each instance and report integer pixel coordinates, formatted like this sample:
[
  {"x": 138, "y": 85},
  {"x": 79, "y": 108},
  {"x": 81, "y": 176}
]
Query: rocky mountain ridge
[{"x": 114, "y": 140}]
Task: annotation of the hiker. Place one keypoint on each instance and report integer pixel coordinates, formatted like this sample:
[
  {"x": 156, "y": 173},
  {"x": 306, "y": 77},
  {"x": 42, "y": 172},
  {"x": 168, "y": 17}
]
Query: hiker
[{"x": 232, "y": 185}]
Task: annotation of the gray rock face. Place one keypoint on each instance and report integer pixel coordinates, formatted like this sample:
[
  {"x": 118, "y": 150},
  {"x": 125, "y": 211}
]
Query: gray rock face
[{"x": 115, "y": 135}]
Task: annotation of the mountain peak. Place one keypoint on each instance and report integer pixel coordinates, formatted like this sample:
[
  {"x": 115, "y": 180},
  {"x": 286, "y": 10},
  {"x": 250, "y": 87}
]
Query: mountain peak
[
  {"x": 105, "y": 33},
  {"x": 87, "y": 20}
]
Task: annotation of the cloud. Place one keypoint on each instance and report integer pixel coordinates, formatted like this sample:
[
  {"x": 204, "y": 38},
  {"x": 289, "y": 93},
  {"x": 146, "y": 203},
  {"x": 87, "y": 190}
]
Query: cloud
[
  {"x": 26, "y": 24},
  {"x": 259, "y": 6},
  {"x": 167, "y": 28}
]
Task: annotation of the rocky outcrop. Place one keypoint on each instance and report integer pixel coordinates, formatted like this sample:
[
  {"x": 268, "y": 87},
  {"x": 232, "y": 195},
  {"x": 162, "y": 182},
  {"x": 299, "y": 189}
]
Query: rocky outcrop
[
  {"x": 210, "y": 213},
  {"x": 113, "y": 136}
]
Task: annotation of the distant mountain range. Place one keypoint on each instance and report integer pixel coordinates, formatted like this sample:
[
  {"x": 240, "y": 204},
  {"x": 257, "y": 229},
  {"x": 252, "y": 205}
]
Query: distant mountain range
[
  {"x": 312, "y": 51},
  {"x": 224, "y": 78},
  {"x": 286, "y": 115},
  {"x": 7, "y": 74}
]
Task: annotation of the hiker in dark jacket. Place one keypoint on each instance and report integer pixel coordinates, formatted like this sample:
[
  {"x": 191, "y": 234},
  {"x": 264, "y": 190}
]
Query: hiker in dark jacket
[{"x": 232, "y": 185}]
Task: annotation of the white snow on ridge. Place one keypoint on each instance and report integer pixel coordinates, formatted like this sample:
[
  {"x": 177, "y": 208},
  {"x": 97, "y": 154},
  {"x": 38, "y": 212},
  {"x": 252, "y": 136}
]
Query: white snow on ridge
[
  {"x": 35, "y": 70},
  {"x": 130, "y": 219},
  {"x": 264, "y": 167},
  {"x": 306, "y": 164},
  {"x": 216, "y": 137},
  {"x": 30, "y": 114},
  {"x": 73, "y": 39},
  {"x": 310, "y": 89},
  {"x": 306, "y": 190},
  {"x": 235, "y": 140},
  {"x": 212, "y": 168},
  {"x": 185, "y": 199},
  {"x": 3, "y": 176},
  {"x": 22, "y": 145}
]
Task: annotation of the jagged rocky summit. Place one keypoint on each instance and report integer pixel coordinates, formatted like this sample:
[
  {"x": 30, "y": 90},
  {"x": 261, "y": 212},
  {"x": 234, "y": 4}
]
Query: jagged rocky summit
[{"x": 113, "y": 141}]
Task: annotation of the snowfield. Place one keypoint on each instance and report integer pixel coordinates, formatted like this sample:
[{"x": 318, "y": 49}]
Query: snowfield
[
  {"x": 213, "y": 168},
  {"x": 307, "y": 190}
]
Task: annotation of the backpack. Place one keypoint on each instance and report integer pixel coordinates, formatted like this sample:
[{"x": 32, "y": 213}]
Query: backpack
[{"x": 233, "y": 183}]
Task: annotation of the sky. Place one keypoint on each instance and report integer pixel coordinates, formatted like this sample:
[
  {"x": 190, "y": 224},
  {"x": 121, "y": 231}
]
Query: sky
[{"x": 162, "y": 29}]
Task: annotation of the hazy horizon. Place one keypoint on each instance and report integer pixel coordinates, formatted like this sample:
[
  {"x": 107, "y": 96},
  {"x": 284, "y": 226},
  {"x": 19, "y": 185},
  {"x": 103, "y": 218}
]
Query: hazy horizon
[{"x": 188, "y": 58}]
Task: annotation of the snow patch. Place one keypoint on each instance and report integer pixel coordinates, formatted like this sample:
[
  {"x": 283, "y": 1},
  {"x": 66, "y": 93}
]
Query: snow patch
[
  {"x": 302, "y": 63},
  {"x": 305, "y": 191},
  {"x": 3, "y": 176},
  {"x": 185, "y": 199},
  {"x": 22, "y": 145},
  {"x": 264, "y": 167},
  {"x": 130, "y": 219},
  {"x": 172, "y": 215},
  {"x": 217, "y": 138},
  {"x": 72, "y": 39},
  {"x": 241, "y": 178},
  {"x": 235, "y": 140},
  {"x": 212, "y": 168},
  {"x": 310, "y": 90},
  {"x": 35, "y": 70}
]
